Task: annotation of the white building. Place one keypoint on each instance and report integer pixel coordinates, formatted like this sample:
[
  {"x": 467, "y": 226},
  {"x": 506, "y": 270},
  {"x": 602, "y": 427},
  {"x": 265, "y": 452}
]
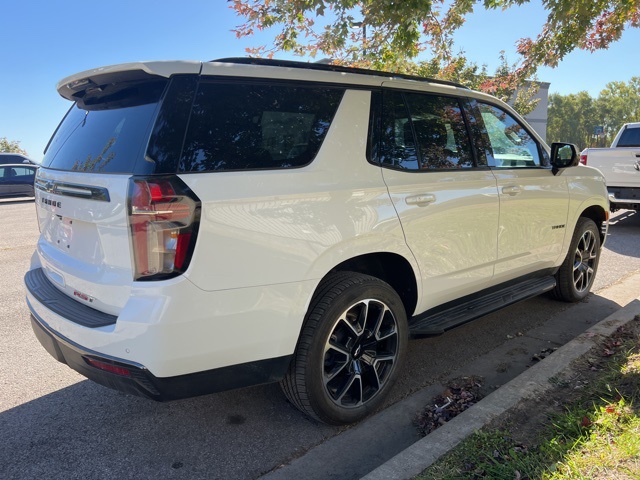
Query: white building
[{"x": 538, "y": 118}]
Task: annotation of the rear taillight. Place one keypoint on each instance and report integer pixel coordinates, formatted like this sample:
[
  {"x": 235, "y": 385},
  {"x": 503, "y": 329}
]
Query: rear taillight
[
  {"x": 583, "y": 158},
  {"x": 163, "y": 219}
]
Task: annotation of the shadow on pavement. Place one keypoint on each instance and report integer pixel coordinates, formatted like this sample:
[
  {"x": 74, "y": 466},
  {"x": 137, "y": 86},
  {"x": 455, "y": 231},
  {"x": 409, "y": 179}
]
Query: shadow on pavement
[
  {"x": 625, "y": 226},
  {"x": 88, "y": 431}
]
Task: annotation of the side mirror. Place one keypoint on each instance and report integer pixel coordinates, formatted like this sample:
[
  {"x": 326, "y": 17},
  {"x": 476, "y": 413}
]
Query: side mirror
[{"x": 563, "y": 155}]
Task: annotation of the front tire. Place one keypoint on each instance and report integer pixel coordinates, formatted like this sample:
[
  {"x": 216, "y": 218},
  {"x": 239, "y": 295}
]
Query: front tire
[
  {"x": 576, "y": 275},
  {"x": 351, "y": 349}
]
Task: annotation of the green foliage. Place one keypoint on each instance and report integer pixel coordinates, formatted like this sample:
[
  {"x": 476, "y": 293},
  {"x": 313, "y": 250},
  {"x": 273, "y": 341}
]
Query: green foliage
[
  {"x": 596, "y": 436},
  {"x": 619, "y": 103},
  {"x": 572, "y": 118},
  {"x": 492, "y": 455},
  {"x": 587, "y": 24},
  {"x": 391, "y": 34},
  {"x": 382, "y": 35},
  {"x": 608, "y": 448},
  {"x": 11, "y": 146}
]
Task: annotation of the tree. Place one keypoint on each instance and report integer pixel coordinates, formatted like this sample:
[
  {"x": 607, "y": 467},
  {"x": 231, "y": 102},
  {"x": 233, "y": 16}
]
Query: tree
[
  {"x": 11, "y": 146},
  {"x": 619, "y": 103},
  {"x": 389, "y": 35},
  {"x": 573, "y": 118},
  {"x": 382, "y": 40}
]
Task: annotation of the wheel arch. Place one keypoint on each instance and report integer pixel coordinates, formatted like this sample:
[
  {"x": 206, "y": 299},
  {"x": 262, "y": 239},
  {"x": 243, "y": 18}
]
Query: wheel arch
[
  {"x": 391, "y": 268},
  {"x": 599, "y": 216}
]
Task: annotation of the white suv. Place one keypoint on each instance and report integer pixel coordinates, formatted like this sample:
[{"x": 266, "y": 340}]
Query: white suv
[{"x": 208, "y": 226}]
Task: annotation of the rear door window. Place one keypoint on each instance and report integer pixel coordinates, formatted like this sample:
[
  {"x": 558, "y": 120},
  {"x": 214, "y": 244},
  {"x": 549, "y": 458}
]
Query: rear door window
[
  {"x": 423, "y": 132},
  {"x": 235, "y": 126}
]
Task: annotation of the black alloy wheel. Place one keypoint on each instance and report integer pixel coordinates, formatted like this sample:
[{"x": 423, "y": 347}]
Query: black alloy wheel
[
  {"x": 577, "y": 273},
  {"x": 350, "y": 351}
]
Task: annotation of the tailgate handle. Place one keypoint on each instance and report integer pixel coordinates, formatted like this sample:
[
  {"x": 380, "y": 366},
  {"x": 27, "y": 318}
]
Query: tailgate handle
[
  {"x": 421, "y": 200},
  {"x": 73, "y": 190}
]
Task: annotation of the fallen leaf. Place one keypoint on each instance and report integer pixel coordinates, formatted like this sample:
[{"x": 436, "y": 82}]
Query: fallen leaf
[{"x": 585, "y": 421}]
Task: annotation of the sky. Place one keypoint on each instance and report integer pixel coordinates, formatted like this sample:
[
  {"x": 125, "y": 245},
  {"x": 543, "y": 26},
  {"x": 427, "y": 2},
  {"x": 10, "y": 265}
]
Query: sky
[{"x": 43, "y": 42}]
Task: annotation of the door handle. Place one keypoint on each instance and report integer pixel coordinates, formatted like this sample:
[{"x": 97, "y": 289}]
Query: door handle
[
  {"x": 511, "y": 190},
  {"x": 421, "y": 200}
]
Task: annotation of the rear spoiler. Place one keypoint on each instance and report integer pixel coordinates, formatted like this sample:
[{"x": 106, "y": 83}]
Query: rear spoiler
[{"x": 75, "y": 86}]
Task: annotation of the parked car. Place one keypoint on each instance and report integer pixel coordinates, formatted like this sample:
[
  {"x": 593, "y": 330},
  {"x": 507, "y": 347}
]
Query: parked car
[
  {"x": 17, "y": 180},
  {"x": 7, "y": 158},
  {"x": 620, "y": 165},
  {"x": 208, "y": 226}
]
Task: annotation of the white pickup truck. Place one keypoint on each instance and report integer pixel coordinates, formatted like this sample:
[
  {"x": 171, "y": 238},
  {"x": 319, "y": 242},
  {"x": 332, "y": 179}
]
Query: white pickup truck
[{"x": 620, "y": 166}]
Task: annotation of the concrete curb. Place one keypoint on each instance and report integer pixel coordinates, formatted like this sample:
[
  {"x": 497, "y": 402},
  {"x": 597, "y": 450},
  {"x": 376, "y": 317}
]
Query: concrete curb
[{"x": 531, "y": 384}]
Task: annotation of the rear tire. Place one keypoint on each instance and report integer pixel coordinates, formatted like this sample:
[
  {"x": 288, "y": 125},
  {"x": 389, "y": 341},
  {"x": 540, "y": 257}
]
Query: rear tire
[
  {"x": 577, "y": 273},
  {"x": 350, "y": 351}
]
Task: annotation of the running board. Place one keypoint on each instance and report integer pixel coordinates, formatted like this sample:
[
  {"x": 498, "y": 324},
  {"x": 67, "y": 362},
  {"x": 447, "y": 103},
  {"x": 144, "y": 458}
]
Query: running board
[{"x": 435, "y": 323}]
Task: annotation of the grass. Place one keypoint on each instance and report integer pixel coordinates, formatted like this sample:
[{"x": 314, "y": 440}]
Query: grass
[{"x": 590, "y": 427}]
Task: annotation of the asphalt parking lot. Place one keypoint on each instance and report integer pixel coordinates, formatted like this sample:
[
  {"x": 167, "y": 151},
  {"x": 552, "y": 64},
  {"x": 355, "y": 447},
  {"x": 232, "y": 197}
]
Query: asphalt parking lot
[{"x": 56, "y": 424}]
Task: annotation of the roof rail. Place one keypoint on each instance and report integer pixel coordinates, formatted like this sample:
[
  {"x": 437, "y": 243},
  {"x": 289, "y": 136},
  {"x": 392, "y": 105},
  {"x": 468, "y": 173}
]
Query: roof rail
[{"x": 331, "y": 68}]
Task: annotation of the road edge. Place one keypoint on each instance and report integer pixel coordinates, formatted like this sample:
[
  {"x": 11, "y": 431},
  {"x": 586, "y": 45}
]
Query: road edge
[{"x": 530, "y": 384}]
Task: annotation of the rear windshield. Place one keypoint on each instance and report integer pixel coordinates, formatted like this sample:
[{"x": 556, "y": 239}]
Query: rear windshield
[
  {"x": 630, "y": 138},
  {"x": 107, "y": 131}
]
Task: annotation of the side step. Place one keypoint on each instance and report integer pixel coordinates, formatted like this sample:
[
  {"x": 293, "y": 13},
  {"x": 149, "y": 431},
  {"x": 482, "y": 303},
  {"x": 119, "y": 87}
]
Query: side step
[{"x": 435, "y": 323}]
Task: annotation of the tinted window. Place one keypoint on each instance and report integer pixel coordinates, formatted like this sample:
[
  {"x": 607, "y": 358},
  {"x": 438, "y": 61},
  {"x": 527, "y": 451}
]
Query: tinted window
[
  {"x": 167, "y": 138},
  {"x": 509, "y": 144},
  {"x": 22, "y": 171},
  {"x": 250, "y": 126},
  {"x": 397, "y": 144},
  {"x": 630, "y": 138},
  {"x": 424, "y": 132},
  {"x": 480, "y": 141},
  {"x": 106, "y": 133}
]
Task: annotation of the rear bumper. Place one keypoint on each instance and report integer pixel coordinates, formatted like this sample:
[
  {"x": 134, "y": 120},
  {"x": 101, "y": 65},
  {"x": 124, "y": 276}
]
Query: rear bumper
[
  {"x": 624, "y": 197},
  {"x": 139, "y": 381},
  {"x": 44, "y": 292},
  {"x": 173, "y": 328}
]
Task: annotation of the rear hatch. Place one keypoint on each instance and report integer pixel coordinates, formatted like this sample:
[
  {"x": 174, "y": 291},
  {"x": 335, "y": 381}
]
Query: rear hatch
[{"x": 104, "y": 185}]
